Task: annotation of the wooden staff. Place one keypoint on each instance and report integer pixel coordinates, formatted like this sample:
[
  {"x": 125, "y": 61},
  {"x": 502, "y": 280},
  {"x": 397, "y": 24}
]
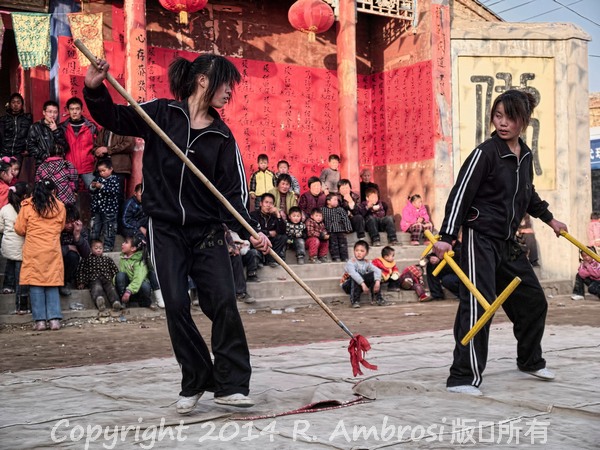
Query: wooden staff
[{"x": 359, "y": 344}]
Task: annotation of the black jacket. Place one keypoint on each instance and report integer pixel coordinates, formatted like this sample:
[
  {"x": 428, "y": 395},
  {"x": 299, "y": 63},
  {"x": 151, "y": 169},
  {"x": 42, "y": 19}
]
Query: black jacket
[
  {"x": 171, "y": 192},
  {"x": 493, "y": 192},
  {"x": 13, "y": 133},
  {"x": 268, "y": 222},
  {"x": 41, "y": 139}
]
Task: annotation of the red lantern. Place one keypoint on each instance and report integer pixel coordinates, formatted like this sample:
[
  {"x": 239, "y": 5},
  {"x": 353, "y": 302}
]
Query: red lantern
[
  {"x": 183, "y": 7},
  {"x": 311, "y": 16}
]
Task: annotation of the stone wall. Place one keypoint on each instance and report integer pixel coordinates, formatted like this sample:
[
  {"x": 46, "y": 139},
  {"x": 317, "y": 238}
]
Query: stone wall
[{"x": 563, "y": 47}]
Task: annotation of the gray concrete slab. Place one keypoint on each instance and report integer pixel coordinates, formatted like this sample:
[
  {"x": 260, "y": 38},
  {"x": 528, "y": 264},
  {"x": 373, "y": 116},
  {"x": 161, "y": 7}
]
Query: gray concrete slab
[{"x": 404, "y": 402}]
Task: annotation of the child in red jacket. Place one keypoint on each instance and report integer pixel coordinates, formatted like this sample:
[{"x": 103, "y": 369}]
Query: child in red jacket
[{"x": 389, "y": 270}]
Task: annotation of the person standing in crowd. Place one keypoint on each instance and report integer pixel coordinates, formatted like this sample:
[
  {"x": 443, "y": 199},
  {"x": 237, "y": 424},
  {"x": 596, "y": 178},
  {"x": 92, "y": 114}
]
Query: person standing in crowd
[
  {"x": 14, "y": 127},
  {"x": 46, "y": 135},
  {"x": 105, "y": 204},
  {"x": 80, "y": 135},
  {"x": 330, "y": 176},
  {"x": 12, "y": 246},
  {"x": 186, "y": 220},
  {"x": 493, "y": 191},
  {"x": 62, "y": 173},
  {"x": 40, "y": 220},
  {"x": 119, "y": 149}
]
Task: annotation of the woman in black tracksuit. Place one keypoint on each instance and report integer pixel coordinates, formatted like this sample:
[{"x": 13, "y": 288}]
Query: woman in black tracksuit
[
  {"x": 186, "y": 234},
  {"x": 493, "y": 191}
]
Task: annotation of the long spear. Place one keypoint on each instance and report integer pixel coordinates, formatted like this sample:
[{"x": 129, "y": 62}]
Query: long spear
[{"x": 359, "y": 345}]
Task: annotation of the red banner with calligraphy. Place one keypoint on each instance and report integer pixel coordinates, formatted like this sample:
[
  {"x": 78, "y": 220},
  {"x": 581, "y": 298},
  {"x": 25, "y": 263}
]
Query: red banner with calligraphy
[{"x": 291, "y": 112}]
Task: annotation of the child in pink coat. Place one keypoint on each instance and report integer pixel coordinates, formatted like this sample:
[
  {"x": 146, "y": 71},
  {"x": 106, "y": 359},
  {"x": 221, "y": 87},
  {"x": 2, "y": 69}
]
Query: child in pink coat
[
  {"x": 415, "y": 219},
  {"x": 588, "y": 275}
]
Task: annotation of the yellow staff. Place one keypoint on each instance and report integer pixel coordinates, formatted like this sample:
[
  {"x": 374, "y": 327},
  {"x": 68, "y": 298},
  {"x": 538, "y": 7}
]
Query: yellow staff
[
  {"x": 489, "y": 309},
  {"x": 582, "y": 247}
]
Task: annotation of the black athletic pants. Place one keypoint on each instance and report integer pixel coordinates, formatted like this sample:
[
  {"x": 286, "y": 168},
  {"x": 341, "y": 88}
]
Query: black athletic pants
[
  {"x": 201, "y": 253},
  {"x": 491, "y": 265}
]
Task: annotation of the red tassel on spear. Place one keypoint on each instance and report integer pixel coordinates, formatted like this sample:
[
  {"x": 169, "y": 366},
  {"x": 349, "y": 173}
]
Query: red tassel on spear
[{"x": 358, "y": 344}]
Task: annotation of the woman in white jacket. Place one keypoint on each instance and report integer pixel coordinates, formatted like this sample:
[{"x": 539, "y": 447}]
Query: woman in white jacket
[{"x": 12, "y": 245}]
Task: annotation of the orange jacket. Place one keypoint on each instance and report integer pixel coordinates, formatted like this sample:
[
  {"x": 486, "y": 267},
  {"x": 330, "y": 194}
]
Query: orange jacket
[{"x": 42, "y": 255}]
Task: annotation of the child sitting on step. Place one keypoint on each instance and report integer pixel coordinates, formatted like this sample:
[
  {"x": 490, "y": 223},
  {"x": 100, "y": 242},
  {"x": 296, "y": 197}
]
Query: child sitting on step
[
  {"x": 588, "y": 275},
  {"x": 362, "y": 276},
  {"x": 132, "y": 279},
  {"x": 96, "y": 273},
  {"x": 412, "y": 278},
  {"x": 389, "y": 270},
  {"x": 415, "y": 219}
]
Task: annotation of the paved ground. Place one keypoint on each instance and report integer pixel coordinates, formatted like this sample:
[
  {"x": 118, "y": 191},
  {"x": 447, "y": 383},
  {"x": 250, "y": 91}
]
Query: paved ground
[{"x": 403, "y": 402}]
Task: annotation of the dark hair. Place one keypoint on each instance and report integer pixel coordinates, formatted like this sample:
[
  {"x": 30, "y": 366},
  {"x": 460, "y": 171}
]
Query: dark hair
[
  {"x": 13, "y": 96},
  {"x": 362, "y": 243},
  {"x": 18, "y": 193},
  {"x": 43, "y": 199},
  {"x": 138, "y": 187},
  {"x": 283, "y": 161},
  {"x": 371, "y": 190},
  {"x": 262, "y": 157},
  {"x": 316, "y": 210},
  {"x": 106, "y": 162},
  {"x": 74, "y": 101},
  {"x": 56, "y": 150},
  {"x": 387, "y": 251},
  {"x": 595, "y": 215},
  {"x": 330, "y": 196},
  {"x": 518, "y": 106},
  {"x": 413, "y": 197},
  {"x": 284, "y": 177},
  {"x": 96, "y": 241},
  {"x": 183, "y": 75},
  {"x": 16, "y": 95},
  {"x": 344, "y": 182},
  {"x": 72, "y": 212},
  {"x": 267, "y": 194},
  {"x": 581, "y": 252},
  {"x": 5, "y": 163},
  {"x": 137, "y": 240},
  {"x": 334, "y": 157},
  {"x": 312, "y": 180},
  {"x": 49, "y": 103},
  {"x": 294, "y": 209}
]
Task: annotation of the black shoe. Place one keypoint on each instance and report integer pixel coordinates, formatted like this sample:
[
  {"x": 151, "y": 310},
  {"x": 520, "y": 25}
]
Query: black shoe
[
  {"x": 244, "y": 297},
  {"x": 64, "y": 290},
  {"x": 376, "y": 243},
  {"x": 252, "y": 278},
  {"x": 300, "y": 260},
  {"x": 273, "y": 264}
]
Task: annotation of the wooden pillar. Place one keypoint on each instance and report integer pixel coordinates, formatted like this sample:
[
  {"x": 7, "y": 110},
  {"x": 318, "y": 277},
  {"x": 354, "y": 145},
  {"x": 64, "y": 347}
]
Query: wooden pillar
[
  {"x": 348, "y": 90},
  {"x": 136, "y": 48}
]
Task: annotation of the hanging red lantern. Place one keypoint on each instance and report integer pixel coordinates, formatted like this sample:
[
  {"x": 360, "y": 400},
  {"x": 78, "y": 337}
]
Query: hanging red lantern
[
  {"x": 183, "y": 7},
  {"x": 311, "y": 16}
]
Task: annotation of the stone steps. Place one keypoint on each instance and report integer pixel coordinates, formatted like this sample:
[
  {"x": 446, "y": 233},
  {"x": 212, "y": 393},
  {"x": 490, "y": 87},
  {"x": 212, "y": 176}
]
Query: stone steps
[{"x": 276, "y": 290}]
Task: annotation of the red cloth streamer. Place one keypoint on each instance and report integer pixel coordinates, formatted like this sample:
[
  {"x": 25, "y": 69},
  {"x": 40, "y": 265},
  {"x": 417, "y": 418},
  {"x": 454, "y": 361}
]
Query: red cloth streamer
[{"x": 358, "y": 347}]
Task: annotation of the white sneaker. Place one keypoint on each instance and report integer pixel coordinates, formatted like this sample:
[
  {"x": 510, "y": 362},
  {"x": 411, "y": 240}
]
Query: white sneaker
[
  {"x": 544, "y": 374},
  {"x": 159, "y": 298},
  {"x": 577, "y": 297},
  {"x": 186, "y": 405},
  {"x": 239, "y": 400},
  {"x": 465, "y": 389}
]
